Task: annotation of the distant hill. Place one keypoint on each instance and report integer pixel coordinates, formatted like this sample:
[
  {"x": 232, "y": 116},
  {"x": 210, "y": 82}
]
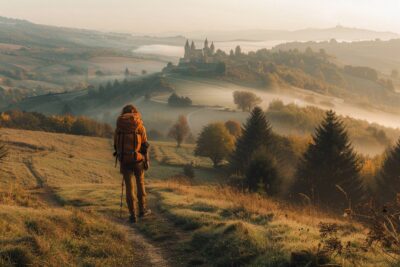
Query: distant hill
[
  {"x": 38, "y": 59},
  {"x": 95, "y": 101},
  {"x": 381, "y": 55},
  {"x": 311, "y": 34},
  {"x": 310, "y": 70},
  {"x": 22, "y": 32}
]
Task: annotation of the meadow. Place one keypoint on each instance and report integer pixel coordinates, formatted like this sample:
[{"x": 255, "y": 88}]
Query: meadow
[{"x": 59, "y": 203}]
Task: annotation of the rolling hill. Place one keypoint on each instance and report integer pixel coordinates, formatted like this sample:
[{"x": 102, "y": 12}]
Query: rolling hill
[
  {"x": 72, "y": 216},
  {"x": 378, "y": 54},
  {"x": 25, "y": 33},
  {"x": 38, "y": 59},
  {"x": 310, "y": 34}
]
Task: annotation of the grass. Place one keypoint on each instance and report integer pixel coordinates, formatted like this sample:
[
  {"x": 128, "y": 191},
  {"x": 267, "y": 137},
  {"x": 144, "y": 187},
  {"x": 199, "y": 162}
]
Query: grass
[
  {"x": 233, "y": 229},
  {"x": 198, "y": 222},
  {"x": 35, "y": 233},
  {"x": 54, "y": 237},
  {"x": 168, "y": 153}
]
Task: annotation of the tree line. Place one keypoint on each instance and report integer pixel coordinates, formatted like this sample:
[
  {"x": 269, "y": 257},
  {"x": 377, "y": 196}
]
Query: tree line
[
  {"x": 327, "y": 173},
  {"x": 58, "y": 124}
]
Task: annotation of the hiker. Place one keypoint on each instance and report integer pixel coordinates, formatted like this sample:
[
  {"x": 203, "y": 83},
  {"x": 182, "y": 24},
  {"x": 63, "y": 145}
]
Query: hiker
[{"x": 131, "y": 149}]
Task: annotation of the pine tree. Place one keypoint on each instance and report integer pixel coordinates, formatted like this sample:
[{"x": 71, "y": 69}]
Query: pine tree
[
  {"x": 262, "y": 174},
  {"x": 127, "y": 72},
  {"x": 256, "y": 134},
  {"x": 389, "y": 176},
  {"x": 238, "y": 51},
  {"x": 67, "y": 110},
  {"x": 328, "y": 173}
]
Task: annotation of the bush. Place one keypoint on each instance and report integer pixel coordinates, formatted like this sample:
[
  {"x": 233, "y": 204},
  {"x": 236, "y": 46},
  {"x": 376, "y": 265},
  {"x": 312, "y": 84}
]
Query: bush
[
  {"x": 153, "y": 134},
  {"x": 188, "y": 170},
  {"x": 58, "y": 124},
  {"x": 262, "y": 173},
  {"x": 179, "y": 101}
]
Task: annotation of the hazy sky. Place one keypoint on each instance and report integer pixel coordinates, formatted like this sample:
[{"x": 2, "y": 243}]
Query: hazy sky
[{"x": 154, "y": 16}]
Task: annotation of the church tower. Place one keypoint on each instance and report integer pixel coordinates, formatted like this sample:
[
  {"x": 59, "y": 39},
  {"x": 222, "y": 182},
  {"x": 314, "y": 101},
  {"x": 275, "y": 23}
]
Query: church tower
[
  {"x": 206, "y": 44},
  {"x": 212, "y": 48},
  {"x": 192, "y": 46},
  {"x": 187, "y": 50}
]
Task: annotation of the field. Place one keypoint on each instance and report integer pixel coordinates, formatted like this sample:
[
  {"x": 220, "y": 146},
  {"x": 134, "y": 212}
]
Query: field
[{"x": 59, "y": 203}]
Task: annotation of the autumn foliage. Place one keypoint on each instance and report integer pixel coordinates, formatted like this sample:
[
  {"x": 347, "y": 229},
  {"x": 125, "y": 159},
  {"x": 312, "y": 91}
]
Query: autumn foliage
[{"x": 59, "y": 124}]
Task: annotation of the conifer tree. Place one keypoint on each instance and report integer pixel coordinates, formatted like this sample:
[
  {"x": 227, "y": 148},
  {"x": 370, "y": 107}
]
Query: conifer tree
[
  {"x": 256, "y": 134},
  {"x": 328, "y": 173},
  {"x": 389, "y": 177},
  {"x": 262, "y": 173}
]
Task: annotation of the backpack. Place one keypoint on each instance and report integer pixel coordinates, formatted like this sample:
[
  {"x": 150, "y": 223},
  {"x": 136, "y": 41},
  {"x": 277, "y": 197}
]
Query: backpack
[{"x": 128, "y": 139}]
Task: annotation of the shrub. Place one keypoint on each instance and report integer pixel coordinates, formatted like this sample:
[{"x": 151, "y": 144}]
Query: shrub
[
  {"x": 58, "y": 124},
  {"x": 153, "y": 134},
  {"x": 188, "y": 170},
  {"x": 234, "y": 128},
  {"x": 179, "y": 101},
  {"x": 262, "y": 173}
]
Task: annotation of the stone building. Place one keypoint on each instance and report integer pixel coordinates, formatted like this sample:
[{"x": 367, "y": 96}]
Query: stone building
[{"x": 200, "y": 56}]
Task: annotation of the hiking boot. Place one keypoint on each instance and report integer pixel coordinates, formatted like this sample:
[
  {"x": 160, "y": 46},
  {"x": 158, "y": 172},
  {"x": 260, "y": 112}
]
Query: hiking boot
[
  {"x": 147, "y": 212},
  {"x": 132, "y": 219}
]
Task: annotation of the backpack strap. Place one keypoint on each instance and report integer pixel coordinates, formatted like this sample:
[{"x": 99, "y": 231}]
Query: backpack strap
[
  {"x": 122, "y": 148},
  {"x": 135, "y": 143}
]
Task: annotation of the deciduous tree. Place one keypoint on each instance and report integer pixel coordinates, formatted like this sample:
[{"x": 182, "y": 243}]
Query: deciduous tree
[
  {"x": 214, "y": 142},
  {"x": 180, "y": 130},
  {"x": 246, "y": 101},
  {"x": 233, "y": 128}
]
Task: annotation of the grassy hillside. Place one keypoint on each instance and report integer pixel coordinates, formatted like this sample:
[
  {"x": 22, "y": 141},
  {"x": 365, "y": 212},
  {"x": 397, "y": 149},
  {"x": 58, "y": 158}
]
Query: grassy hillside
[
  {"x": 381, "y": 55},
  {"x": 59, "y": 198},
  {"x": 38, "y": 59},
  {"x": 213, "y": 102}
]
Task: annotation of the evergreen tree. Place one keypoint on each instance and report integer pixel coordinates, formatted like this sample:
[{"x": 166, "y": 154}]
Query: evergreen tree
[
  {"x": 256, "y": 134},
  {"x": 389, "y": 177},
  {"x": 262, "y": 173},
  {"x": 238, "y": 51},
  {"x": 67, "y": 110},
  {"x": 328, "y": 173},
  {"x": 127, "y": 72}
]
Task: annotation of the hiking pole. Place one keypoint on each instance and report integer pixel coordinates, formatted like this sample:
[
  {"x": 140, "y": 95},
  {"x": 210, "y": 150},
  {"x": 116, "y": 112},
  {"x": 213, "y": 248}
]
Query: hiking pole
[{"x": 122, "y": 195}]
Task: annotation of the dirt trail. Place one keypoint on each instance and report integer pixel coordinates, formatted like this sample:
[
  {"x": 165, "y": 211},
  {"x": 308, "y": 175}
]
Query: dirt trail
[
  {"x": 171, "y": 240},
  {"x": 147, "y": 253},
  {"x": 44, "y": 191},
  {"x": 151, "y": 255}
]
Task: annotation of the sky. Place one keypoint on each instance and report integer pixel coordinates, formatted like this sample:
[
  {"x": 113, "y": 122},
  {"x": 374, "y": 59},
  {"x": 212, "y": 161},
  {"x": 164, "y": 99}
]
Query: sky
[{"x": 180, "y": 16}]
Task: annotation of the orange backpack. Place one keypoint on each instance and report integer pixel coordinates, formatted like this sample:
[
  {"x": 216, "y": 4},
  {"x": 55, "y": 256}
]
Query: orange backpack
[{"x": 128, "y": 139}]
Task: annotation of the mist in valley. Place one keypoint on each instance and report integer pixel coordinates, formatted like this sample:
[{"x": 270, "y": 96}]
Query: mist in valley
[{"x": 271, "y": 133}]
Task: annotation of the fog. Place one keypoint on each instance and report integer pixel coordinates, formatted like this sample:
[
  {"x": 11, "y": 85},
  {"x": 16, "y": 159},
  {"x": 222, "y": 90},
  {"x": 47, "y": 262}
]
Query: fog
[
  {"x": 177, "y": 51},
  {"x": 218, "y": 93}
]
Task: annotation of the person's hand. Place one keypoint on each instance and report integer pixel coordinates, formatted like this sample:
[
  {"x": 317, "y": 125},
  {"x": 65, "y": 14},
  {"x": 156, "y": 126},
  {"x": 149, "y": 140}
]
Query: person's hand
[{"x": 146, "y": 165}]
